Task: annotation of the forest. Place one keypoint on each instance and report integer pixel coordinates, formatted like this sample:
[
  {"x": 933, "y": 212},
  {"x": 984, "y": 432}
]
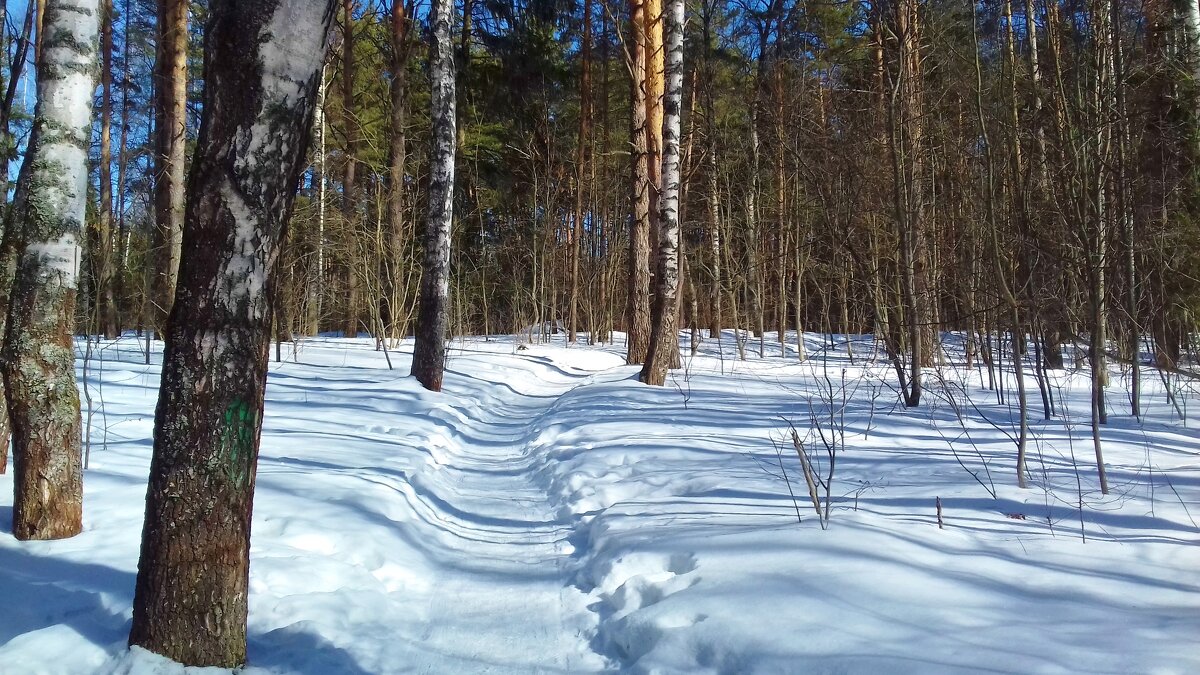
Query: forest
[{"x": 948, "y": 248}]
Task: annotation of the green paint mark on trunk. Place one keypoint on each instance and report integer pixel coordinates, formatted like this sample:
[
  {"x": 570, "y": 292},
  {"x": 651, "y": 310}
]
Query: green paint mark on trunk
[{"x": 237, "y": 441}]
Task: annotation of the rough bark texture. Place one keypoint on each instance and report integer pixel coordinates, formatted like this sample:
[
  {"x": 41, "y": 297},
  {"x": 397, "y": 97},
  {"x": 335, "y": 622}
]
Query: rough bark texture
[
  {"x": 262, "y": 59},
  {"x": 664, "y": 340},
  {"x": 42, "y": 239},
  {"x": 102, "y": 243},
  {"x": 637, "y": 312},
  {"x": 429, "y": 350},
  {"x": 170, "y": 140}
]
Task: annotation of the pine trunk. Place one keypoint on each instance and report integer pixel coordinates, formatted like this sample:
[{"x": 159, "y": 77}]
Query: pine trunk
[
  {"x": 262, "y": 62},
  {"x": 637, "y": 314},
  {"x": 170, "y": 124},
  {"x": 350, "y": 175},
  {"x": 429, "y": 352},
  {"x": 102, "y": 248}
]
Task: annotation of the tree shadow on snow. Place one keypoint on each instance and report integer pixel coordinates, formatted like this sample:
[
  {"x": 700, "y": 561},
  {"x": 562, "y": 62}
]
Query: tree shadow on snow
[{"x": 95, "y": 601}]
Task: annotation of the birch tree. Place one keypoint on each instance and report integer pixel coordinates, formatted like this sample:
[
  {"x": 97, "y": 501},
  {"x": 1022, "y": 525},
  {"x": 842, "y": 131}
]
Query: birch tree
[
  {"x": 262, "y": 63},
  {"x": 663, "y": 336},
  {"x": 42, "y": 239},
  {"x": 429, "y": 350}
]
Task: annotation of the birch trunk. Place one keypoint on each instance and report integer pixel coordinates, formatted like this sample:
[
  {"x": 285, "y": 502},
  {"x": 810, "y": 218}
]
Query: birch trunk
[
  {"x": 262, "y": 62},
  {"x": 429, "y": 352},
  {"x": 664, "y": 340},
  {"x": 42, "y": 240}
]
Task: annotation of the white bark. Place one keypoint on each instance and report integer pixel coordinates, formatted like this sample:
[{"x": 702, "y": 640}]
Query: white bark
[
  {"x": 292, "y": 50},
  {"x": 664, "y": 336},
  {"x": 58, "y": 155},
  {"x": 429, "y": 349}
]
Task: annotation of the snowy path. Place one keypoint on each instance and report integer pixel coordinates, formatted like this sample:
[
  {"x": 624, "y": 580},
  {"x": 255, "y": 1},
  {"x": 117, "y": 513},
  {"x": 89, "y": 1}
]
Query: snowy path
[
  {"x": 475, "y": 547},
  {"x": 547, "y": 513}
]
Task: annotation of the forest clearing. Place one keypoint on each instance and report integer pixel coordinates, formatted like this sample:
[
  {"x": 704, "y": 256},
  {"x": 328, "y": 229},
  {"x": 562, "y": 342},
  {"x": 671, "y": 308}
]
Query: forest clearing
[{"x": 547, "y": 513}]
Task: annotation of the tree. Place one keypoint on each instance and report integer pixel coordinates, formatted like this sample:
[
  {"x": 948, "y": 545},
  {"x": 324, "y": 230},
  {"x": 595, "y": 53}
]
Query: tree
[
  {"x": 664, "y": 340},
  {"x": 397, "y": 155},
  {"x": 637, "y": 311},
  {"x": 42, "y": 240},
  {"x": 349, "y": 177},
  {"x": 102, "y": 243},
  {"x": 170, "y": 138},
  {"x": 581, "y": 157},
  {"x": 429, "y": 351},
  {"x": 262, "y": 61}
]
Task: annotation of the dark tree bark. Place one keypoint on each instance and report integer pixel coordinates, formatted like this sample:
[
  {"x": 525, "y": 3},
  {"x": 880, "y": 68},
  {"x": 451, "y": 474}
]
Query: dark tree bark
[
  {"x": 349, "y": 177},
  {"x": 637, "y": 313},
  {"x": 170, "y": 138},
  {"x": 42, "y": 244},
  {"x": 262, "y": 60},
  {"x": 7, "y": 262},
  {"x": 429, "y": 351},
  {"x": 102, "y": 243}
]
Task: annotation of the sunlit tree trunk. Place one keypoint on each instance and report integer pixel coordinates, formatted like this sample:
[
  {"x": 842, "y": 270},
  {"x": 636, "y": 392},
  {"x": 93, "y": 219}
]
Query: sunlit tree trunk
[
  {"x": 350, "y": 222},
  {"x": 429, "y": 352},
  {"x": 43, "y": 237},
  {"x": 664, "y": 340},
  {"x": 637, "y": 314},
  {"x": 102, "y": 249},
  {"x": 170, "y": 125},
  {"x": 263, "y": 59}
]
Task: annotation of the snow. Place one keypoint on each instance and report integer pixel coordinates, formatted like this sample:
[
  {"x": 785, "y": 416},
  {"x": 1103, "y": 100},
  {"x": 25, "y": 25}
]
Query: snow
[{"x": 548, "y": 514}]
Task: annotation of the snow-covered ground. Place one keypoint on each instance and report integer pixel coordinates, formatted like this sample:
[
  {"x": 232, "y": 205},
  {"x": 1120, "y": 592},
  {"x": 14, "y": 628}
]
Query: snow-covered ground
[{"x": 549, "y": 514}]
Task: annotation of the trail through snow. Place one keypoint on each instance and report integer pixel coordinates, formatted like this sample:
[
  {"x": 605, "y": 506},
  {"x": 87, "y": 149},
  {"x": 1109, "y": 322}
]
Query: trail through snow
[
  {"x": 494, "y": 586},
  {"x": 547, "y": 513}
]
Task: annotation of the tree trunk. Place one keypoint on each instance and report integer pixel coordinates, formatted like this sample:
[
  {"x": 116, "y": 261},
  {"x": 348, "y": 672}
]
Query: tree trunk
[
  {"x": 262, "y": 63},
  {"x": 429, "y": 352},
  {"x": 42, "y": 239},
  {"x": 6, "y": 260},
  {"x": 581, "y": 157},
  {"x": 170, "y": 124},
  {"x": 664, "y": 339},
  {"x": 349, "y": 177},
  {"x": 637, "y": 315},
  {"x": 102, "y": 249},
  {"x": 397, "y": 158}
]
